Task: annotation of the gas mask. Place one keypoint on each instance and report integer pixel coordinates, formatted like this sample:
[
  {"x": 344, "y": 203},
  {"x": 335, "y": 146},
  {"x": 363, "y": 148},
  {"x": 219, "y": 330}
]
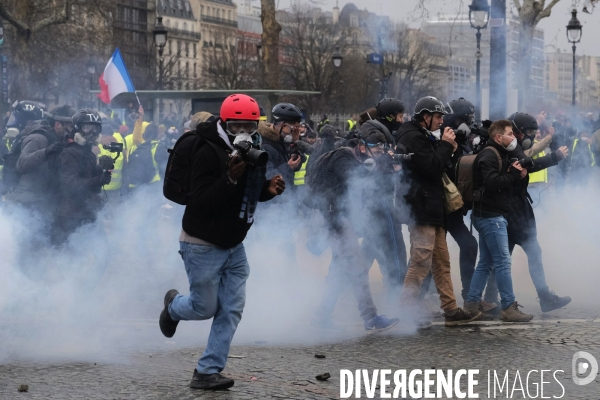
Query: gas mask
[
  {"x": 370, "y": 164},
  {"x": 528, "y": 140},
  {"x": 89, "y": 135}
]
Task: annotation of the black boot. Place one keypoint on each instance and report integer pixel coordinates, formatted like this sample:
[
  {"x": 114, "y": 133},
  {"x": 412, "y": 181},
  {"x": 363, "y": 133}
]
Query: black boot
[
  {"x": 166, "y": 323},
  {"x": 210, "y": 381},
  {"x": 550, "y": 301}
]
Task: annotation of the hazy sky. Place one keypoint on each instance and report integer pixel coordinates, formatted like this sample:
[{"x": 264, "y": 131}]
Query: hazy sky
[{"x": 553, "y": 26}]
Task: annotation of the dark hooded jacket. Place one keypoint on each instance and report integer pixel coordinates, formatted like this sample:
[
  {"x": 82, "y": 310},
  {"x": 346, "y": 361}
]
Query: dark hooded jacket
[
  {"x": 80, "y": 183},
  {"x": 496, "y": 184},
  {"x": 38, "y": 185},
  {"x": 423, "y": 174},
  {"x": 278, "y": 152},
  {"x": 218, "y": 211},
  {"x": 521, "y": 218}
]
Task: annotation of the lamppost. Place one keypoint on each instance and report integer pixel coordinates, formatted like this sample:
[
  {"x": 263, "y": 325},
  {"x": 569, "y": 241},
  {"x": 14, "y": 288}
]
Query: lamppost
[
  {"x": 574, "y": 35},
  {"x": 160, "y": 39},
  {"x": 91, "y": 69},
  {"x": 479, "y": 15},
  {"x": 337, "y": 58}
]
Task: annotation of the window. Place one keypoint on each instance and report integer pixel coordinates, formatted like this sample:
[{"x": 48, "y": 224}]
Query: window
[
  {"x": 218, "y": 13},
  {"x": 201, "y": 10},
  {"x": 170, "y": 47},
  {"x": 168, "y": 23},
  {"x": 195, "y": 67},
  {"x": 185, "y": 26},
  {"x": 187, "y": 49},
  {"x": 176, "y": 25},
  {"x": 187, "y": 69},
  {"x": 229, "y": 15},
  {"x": 354, "y": 21},
  {"x": 194, "y": 50}
]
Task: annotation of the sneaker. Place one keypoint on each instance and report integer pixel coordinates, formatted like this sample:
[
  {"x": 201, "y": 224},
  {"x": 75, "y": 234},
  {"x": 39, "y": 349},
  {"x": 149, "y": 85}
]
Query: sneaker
[
  {"x": 460, "y": 316},
  {"x": 513, "y": 314},
  {"x": 550, "y": 301},
  {"x": 380, "y": 323},
  {"x": 423, "y": 324},
  {"x": 210, "y": 381},
  {"x": 166, "y": 323}
]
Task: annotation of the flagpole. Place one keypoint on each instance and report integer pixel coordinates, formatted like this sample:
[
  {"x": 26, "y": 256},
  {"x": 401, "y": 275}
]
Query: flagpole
[{"x": 138, "y": 99}]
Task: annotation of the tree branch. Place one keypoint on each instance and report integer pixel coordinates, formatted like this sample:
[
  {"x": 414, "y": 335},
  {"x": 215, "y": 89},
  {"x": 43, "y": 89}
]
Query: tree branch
[
  {"x": 7, "y": 15},
  {"x": 546, "y": 12},
  {"x": 517, "y": 4},
  {"x": 54, "y": 20}
]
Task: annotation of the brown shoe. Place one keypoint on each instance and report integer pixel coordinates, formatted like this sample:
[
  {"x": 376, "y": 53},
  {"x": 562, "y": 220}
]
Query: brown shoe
[
  {"x": 489, "y": 308},
  {"x": 472, "y": 307},
  {"x": 513, "y": 314},
  {"x": 460, "y": 316}
]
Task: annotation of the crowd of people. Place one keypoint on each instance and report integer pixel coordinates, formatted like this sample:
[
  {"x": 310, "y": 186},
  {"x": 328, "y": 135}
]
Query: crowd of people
[{"x": 426, "y": 169}]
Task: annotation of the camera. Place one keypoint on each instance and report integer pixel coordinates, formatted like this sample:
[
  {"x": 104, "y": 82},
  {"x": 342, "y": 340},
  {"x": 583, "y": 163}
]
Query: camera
[
  {"x": 113, "y": 147},
  {"x": 106, "y": 163},
  {"x": 294, "y": 152},
  {"x": 526, "y": 162},
  {"x": 249, "y": 154},
  {"x": 401, "y": 158}
]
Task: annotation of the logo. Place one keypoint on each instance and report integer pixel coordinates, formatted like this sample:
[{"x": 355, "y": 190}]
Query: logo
[
  {"x": 93, "y": 117},
  {"x": 580, "y": 368},
  {"x": 29, "y": 107}
]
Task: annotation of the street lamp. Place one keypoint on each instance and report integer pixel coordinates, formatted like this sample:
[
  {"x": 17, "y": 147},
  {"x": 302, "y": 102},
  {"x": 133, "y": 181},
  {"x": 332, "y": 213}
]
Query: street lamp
[
  {"x": 337, "y": 57},
  {"x": 479, "y": 15},
  {"x": 160, "y": 39},
  {"x": 91, "y": 69},
  {"x": 574, "y": 35}
]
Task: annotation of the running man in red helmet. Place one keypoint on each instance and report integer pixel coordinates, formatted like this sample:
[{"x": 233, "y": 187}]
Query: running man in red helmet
[{"x": 226, "y": 184}]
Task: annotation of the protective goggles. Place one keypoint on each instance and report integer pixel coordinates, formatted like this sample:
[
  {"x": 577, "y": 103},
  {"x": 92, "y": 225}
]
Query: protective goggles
[
  {"x": 378, "y": 145},
  {"x": 530, "y": 132},
  {"x": 237, "y": 127},
  {"x": 89, "y": 129}
]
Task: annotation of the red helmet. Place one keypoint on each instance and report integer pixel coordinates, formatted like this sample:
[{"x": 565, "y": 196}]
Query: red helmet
[{"x": 240, "y": 107}]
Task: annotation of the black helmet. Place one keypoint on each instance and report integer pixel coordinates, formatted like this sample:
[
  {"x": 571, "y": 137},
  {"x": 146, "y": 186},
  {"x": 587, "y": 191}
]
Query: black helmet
[
  {"x": 389, "y": 106},
  {"x": 61, "y": 113},
  {"x": 286, "y": 112},
  {"x": 24, "y": 112},
  {"x": 86, "y": 116},
  {"x": 429, "y": 104},
  {"x": 461, "y": 108},
  {"x": 525, "y": 123}
]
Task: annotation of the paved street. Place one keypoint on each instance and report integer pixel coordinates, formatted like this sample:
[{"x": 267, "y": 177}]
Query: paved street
[{"x": 263, "y": 370}]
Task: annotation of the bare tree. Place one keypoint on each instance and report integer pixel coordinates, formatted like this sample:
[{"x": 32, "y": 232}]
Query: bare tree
[
  {"x": 418, "y": 67},
  {"x": 228, "y": 64},
  {"x": 309, "y": 47},
  {"x": 270, "y": 43}
]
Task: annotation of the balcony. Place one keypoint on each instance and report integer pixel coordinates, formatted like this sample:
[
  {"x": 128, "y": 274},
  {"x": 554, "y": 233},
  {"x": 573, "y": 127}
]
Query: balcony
[
  {"x": 219, "y": 21},
  {"x": 182, "y": 33}
]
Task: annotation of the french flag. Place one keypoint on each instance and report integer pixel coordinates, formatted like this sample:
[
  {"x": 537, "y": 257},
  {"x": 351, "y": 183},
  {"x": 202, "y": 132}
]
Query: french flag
[{"x": 115, "y": 79}]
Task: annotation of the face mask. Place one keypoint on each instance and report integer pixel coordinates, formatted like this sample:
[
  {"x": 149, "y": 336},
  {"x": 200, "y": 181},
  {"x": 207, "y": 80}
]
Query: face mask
[
  {"x": 512, "y": 145},
  {"x": 527, "y": 143},
  {"x": 242, "y": 137},
  {"x": 476, "y": 140},
  {"x": 287, "y": 139},
  {"x": 369, "y": 164},
  {"x": 437, "y": 134}
]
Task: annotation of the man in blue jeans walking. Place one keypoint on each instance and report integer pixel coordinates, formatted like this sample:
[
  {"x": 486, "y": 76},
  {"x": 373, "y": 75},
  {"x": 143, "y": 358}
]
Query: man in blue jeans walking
[
  {"x": 493, "y": 179},
  {"x": 223, "y": 194}
]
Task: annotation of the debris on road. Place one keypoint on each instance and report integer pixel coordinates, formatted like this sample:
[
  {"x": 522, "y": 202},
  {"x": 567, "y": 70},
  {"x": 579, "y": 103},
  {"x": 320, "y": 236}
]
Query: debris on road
[
  {"x": 323, "y": 377},
  {"x": 234, "y": 356},
  {"x": 319, "y": 355},
  {"x": 23, "y": 388}
]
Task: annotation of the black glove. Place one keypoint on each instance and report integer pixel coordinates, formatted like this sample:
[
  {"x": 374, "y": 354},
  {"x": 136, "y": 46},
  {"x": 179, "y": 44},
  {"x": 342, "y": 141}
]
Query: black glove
[
  {"x": 54, "y": 148},
  {"x": 104, "y": 179}
]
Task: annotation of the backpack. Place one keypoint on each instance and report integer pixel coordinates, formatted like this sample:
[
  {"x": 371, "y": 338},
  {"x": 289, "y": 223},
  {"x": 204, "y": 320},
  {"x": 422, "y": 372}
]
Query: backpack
[
  {"x": 464, "y": 175},
  {"x": 10, "y": 175},
  {"x": 319, "y": 176},
  {"x": 178, "y": 175},
  {"x": 140, "y": 165}
]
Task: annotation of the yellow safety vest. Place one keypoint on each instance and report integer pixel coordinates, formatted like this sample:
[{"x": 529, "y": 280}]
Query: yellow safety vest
[
  {"x": 117, "y": 174},
  {"x": 299, "y": 175},
  {"x": 540, "y": 176},
  {"x": 351, "y": 124},
  {"x": 156, "y": 175},
  {"x": 589, "y": 149}
]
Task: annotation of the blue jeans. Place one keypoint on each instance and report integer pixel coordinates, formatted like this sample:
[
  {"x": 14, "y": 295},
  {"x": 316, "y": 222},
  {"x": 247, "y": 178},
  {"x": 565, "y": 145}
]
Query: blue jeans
[
  {"x": 494, "y": 255},
  {"x": 217, "y": 289},
  {"x": 527, "y": 239}
]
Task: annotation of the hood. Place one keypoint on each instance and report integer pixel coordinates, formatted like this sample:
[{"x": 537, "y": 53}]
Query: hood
[
  {"x": 268, "y": 132},
  {"x": 39, "y": 125}
]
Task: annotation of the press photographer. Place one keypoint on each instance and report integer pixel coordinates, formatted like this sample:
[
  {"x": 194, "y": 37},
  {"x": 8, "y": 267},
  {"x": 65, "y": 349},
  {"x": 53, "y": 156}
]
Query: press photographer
[{"x": 225, "y": 183}]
